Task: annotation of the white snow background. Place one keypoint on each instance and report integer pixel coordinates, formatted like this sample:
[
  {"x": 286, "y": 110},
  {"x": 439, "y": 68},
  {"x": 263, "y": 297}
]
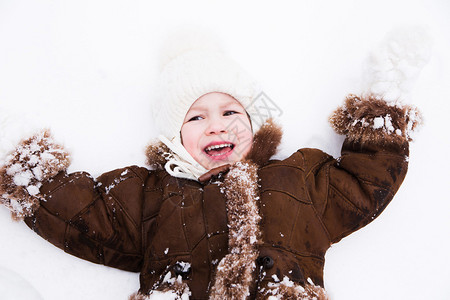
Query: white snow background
[{"x": 86, "y": 69}]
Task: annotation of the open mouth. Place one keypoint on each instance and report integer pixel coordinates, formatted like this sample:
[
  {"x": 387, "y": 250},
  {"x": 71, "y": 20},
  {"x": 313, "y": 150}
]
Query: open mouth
[{"x": 219, "y": 151}]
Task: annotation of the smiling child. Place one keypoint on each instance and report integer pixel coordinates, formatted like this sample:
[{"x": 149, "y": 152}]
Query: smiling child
[{"x": 217, "y": 130}]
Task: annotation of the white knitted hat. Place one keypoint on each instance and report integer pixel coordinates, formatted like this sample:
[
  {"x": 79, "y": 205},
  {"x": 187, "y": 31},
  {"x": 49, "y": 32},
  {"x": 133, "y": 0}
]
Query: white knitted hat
[{"x": 193, "y": 69}]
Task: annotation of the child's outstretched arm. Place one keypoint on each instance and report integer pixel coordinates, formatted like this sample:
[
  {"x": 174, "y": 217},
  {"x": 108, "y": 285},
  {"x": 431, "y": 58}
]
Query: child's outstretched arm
[
  {"x": 353, "y": 190},
  {"x": 98, "y": 220}
]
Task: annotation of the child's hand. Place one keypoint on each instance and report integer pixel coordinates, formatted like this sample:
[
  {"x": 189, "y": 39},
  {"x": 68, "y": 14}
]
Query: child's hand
[{"x": 394, "y": 65}]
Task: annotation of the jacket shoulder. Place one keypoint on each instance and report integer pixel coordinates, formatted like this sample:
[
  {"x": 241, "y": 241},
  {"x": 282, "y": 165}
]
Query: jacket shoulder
[
  {"x": 305, "y": 158},
  {"x": 122, "y": 174}
]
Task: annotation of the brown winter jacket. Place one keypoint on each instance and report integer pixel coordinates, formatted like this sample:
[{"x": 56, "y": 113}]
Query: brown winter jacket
[{"x": 168, "y": 228}]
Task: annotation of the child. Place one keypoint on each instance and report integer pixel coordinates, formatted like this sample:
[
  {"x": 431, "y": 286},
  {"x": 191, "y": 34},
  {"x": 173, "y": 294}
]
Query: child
[{"x": 216, "y": 218}]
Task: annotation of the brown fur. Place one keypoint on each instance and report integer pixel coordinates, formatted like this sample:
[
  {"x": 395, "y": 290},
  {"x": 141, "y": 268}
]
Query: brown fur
[
  {"x": 138, "y": 296},
  {"x": 265, "y": 143},
  {"x": 177, "y": 287},
  {"x": 307, "y": 292},
  {"x": 348, "y": 119},
  {"x": 235, "y": 271},
  {"x": 17, "y": 198},
  {"x": 156, "y": 153}
]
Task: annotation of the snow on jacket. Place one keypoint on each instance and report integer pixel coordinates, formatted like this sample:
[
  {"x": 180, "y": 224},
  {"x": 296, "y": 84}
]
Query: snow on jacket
[{"x": 257, "y": 229}]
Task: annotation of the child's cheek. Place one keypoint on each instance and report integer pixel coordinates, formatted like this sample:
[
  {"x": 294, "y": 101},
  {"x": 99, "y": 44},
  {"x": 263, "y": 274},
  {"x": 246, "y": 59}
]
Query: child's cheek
[{"x": 188, "y": 138}]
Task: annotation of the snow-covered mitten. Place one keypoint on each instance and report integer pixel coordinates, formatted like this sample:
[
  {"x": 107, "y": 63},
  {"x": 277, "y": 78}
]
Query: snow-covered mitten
[
  {"x": 379, "y": 115},
  {"x": 26, "y": 164}
]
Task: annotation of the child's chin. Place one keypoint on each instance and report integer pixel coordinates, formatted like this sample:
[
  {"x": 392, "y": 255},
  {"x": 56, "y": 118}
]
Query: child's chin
[{"x": 214, "y": 163}]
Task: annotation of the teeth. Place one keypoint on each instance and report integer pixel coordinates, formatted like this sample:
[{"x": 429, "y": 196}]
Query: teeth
[{"x": 218, "y": 146}]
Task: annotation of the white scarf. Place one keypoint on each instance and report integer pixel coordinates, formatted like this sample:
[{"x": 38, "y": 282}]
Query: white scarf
[{"x": 180, "y": 163}]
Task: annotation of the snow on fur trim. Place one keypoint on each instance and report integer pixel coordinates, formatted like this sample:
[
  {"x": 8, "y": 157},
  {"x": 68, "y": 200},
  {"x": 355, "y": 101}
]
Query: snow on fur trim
[
  {"x": 34, "y": 160},
  {"x": 175, "y": 289},
  {"x": 235, "y": 271},
  {"x": 371, "y": 119},
  {"x": 288, "y": 289}
]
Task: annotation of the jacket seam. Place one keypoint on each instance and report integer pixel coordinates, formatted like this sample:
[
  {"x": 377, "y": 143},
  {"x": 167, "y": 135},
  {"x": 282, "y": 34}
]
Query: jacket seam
[
  {"x": 204, "y": 236},
  {"x": 282, "y": 165},
  {"x": 327, "y": 191},
  {"x": 370, "y": 182},
  {"x": 183, "y": 219},
  {"x": 131, "y": 169},
  {"x": 206, "y": 226},
  {"x": 142, "y": 218},
  {"x": 149, "y": 217},
  {"x": 125, "y": 211},
  {"x": 286, "y": 193},
  {"x": 353, "y": 205},
  {"x": 296, "y": 253},
  {"x": 378, "y": 154},
  {"x": 63, "y": 184},
  {"x": 318, "y": 216},
  {"x": 320, "y": 162}
]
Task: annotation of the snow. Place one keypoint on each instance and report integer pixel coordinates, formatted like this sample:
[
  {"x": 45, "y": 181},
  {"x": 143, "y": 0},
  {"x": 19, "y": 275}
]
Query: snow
[
  {"x": 33, "y": 190},
  {"x": 86, "y": 69},
  {"x": 23, "y": 178},
  {"x": 378, "y": 122},
  {"x": 13, "y": 287},
  {"x": 168, "y": 296},
  {"x": 185, "y": 266},
  {"x": 384, "y": 122},
  {"x": 171, "y": 281}
]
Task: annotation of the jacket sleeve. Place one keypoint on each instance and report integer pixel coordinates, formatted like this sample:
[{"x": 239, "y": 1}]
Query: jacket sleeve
[
  {"x": 351, "y": 191},
  {"x": 97, "y": 220}
]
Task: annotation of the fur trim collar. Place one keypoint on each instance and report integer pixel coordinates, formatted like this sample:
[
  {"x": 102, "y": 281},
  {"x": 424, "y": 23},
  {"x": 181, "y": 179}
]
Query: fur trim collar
[{"x": 235, "y": 271}]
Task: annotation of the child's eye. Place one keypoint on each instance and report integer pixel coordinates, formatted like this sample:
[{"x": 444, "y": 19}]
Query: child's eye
[
  {"x": 230, "y": 112},
  {"x": 196, "y": 118}
]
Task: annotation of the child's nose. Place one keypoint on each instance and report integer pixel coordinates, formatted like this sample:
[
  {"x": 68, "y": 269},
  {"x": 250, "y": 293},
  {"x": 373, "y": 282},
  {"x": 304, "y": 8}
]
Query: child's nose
[{"x": 216, "y": 127}]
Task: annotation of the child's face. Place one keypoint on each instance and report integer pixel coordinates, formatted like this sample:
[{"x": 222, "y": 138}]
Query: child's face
[{"x": 216, "y": 130}]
